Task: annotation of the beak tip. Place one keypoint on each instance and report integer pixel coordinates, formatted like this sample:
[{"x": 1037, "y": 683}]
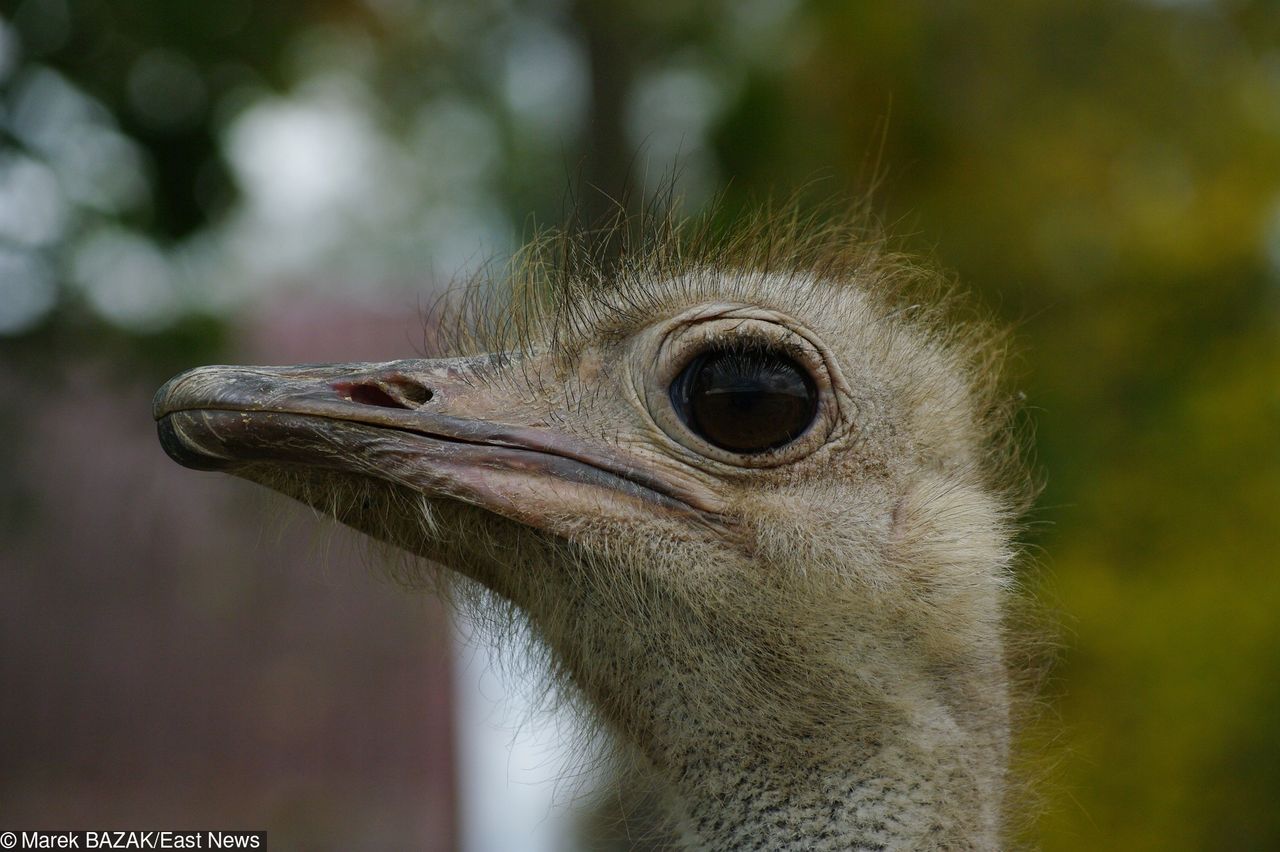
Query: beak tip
[
  {"x": 193, "y": 387},
  {"x": 160, "y": 402},
  {"x": 181, "y": 450}
]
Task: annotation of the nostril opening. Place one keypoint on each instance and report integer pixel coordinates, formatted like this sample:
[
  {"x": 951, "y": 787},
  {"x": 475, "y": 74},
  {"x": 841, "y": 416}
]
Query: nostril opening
[
  {"x": 374, "y": 395},
  {"x": 368, "y": 395},
  {"x": 413, "y": 392},
  {"x": 389, "y": 393}
]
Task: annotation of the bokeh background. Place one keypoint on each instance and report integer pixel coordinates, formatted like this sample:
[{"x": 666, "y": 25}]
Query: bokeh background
[{"x": 183, "y": 183}]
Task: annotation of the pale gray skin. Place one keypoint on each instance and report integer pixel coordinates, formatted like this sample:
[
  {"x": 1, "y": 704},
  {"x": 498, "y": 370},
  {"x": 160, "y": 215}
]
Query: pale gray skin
[{"x": 805, "y": 647}]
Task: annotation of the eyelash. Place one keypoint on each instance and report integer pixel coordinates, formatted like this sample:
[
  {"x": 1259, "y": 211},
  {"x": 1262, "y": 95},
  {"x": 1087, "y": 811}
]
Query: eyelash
[{"x": 740, "y": 344}]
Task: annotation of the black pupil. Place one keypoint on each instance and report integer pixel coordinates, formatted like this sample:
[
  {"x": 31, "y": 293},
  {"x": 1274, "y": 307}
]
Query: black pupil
[{"x": 745, "y": 402}]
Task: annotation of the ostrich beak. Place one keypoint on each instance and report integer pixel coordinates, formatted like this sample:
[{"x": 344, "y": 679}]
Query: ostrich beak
[{"x": 437, "y": 426}]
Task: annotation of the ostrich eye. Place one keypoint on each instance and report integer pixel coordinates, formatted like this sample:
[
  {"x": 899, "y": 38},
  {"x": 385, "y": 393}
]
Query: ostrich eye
[{"x": 745, "y": 402}]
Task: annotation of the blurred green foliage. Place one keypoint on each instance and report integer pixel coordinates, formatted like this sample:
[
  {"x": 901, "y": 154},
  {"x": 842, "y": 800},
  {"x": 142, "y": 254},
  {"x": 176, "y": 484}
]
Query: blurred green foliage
[{"x": 1106, "y": 173}]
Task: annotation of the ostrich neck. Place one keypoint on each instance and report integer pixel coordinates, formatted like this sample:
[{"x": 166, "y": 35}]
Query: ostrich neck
[
  {"x": 860, "y": 756},
  {"x": 794, "y": 714},
  {"x": 923, "y": 787}
]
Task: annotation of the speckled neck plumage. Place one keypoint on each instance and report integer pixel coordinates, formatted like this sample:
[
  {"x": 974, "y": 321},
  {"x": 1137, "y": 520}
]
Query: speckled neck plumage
[
  {"x": 932, "y": 778},
  {"x": 870, "y": 744},
  {"x": 899, "y": 796},
  {"x": 927, "y": 785}
]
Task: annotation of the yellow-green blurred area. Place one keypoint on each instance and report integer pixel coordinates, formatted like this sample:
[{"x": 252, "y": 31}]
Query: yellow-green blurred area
[{"x": 1104, "y": 173}]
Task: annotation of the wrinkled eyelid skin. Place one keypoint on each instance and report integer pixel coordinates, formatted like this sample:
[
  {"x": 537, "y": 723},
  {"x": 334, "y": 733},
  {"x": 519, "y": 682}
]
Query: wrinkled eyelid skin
[{"x": 659, "y": 354}]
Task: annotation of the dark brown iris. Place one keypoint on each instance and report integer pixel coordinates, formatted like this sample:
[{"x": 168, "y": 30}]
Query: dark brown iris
[{"x": 745, "y": 401}]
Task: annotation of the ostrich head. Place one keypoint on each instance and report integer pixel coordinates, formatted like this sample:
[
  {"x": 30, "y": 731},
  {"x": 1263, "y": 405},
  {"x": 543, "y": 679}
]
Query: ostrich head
[{"x": 749, "y": 491}]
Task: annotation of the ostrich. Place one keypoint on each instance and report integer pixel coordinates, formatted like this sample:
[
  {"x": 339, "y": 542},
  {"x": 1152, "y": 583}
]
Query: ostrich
[{"x": 754, "y": 493}]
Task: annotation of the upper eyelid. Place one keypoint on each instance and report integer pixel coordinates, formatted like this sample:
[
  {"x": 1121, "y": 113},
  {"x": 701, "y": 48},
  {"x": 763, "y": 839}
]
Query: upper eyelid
[
  {"x": 787, "y": 346},
  {"x": 695, "y": 336}
]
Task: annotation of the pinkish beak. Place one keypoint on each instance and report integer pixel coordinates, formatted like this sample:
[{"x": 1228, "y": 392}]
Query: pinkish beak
[{"x": 436, "y": 426}]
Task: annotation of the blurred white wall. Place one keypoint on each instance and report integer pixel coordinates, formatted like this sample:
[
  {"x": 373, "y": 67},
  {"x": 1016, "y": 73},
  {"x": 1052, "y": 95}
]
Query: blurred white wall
[{"x": 511, "y": 756}]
